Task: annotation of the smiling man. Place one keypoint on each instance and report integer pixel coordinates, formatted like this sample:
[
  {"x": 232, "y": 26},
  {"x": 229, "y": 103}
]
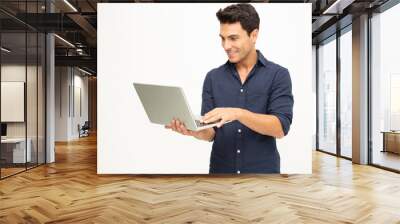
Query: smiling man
[{"x": 252, "y": 92}]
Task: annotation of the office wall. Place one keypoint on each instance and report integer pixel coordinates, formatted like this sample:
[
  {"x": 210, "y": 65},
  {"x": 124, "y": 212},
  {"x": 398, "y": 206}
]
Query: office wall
[
  {"x": 16, "y": 73},
  {"x": 314, "y": 91},
  {"x": 92, "y": 108},
  {"x": 81, "y": 113},
  {"x": 177, "y": 44},
  {"x": 71, "y": 102},
  {"x": 62, "y": 80}
]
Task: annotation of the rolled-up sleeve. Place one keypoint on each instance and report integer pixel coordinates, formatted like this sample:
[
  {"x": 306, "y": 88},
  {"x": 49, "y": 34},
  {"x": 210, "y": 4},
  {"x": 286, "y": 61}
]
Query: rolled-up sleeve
[
  {"x": 281, "y": 100},
  {"x": 207, "y": 96}
]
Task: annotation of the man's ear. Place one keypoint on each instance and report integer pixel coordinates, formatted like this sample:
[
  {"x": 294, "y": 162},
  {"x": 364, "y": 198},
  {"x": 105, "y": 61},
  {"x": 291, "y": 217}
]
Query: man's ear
[{"x": 254, "y": 35}]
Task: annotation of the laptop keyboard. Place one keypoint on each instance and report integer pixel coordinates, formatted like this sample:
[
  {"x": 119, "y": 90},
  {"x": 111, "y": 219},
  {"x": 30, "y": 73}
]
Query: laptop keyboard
[{"x": 201, "y": 124}]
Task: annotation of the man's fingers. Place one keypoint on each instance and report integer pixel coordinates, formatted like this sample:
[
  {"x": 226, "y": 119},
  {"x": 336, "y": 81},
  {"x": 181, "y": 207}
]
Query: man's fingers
[
  {"x": 177, "y": 124},
  {"x": 179, "y": 127},
  {"x": 206, "y": 118},
  {"x": 173, "y": 125},
  {"x": 210, "y": 114},
  {"x": 221, "y": 123},
  {"x": 212, "y": 118},
  {"x": 184, "y": 130}
]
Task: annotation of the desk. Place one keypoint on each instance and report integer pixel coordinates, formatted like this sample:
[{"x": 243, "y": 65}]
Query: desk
[
  {"x": 13, "y": 150},
  {"x": 391, "y": 141}
]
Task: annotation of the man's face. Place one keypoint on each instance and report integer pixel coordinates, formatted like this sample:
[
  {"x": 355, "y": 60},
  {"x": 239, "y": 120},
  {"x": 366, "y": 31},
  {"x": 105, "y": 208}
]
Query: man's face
[{"x": 236, "y": 42}]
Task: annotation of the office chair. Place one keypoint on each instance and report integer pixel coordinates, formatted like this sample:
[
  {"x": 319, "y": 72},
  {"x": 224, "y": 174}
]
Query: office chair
[{"x": 84, "y": 130}]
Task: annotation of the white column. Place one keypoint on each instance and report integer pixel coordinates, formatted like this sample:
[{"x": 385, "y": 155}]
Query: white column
[
  {"x": 50, "y": 92},
  {"x": 360, "y": 90}
]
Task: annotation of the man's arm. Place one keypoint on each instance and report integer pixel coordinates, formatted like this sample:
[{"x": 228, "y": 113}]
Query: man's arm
[
  {"x": 264, "y": 124},
  {"x": 206, "y": 134},
  {"x": 279, "y": 112}
]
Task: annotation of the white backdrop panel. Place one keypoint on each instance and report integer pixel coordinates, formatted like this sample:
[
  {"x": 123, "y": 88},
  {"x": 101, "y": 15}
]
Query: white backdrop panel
[{"x": 177, "y": 44}]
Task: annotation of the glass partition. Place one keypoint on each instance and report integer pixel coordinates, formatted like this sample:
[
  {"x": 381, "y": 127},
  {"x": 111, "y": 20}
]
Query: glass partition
[
  {"x": 22, "y": 63},
  {"x": 41, "y": 109},
  {"x": 32, "y": 95},
  {"x": 13, "y": 109}
]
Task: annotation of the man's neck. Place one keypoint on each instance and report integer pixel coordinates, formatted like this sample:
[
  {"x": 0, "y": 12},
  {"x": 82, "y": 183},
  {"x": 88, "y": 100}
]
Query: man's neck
[{"x": 248, "y": 63}]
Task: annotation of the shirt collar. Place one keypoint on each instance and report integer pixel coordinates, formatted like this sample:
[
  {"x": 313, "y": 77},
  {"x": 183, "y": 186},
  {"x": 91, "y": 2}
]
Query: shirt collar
[{"x": 260, "y": 59}]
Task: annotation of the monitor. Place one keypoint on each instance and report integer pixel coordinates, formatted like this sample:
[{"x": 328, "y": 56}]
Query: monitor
[{"x": 3, "y": 129}]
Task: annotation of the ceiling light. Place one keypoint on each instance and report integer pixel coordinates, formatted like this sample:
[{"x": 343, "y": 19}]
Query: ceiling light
[
  {"x": 84, "y": 71},
  {"x": 5, "y": 50},
  {"x": 64, "y": 40},
  {"x": 70, "y": 5},
  {"x": 337, "y": 7}
]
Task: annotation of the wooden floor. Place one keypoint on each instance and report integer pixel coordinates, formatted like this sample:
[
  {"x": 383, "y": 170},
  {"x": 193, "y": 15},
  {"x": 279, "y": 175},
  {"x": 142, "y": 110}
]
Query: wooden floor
[
  {"x": 387, "y": 159},
  {"x": 5, "y": 172},
  {"x": 70, "y": 191}
]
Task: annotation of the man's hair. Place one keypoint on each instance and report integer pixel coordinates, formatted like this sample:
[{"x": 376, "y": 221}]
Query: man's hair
[{"x": 244, "y": 13}]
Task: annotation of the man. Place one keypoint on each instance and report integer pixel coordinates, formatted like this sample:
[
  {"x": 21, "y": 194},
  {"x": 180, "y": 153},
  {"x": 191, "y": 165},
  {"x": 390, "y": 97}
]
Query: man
[{"x": 252, "y": 92}]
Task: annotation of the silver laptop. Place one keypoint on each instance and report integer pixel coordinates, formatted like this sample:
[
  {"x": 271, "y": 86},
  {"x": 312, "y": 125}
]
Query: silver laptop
[{"x": 164, "y": 103}]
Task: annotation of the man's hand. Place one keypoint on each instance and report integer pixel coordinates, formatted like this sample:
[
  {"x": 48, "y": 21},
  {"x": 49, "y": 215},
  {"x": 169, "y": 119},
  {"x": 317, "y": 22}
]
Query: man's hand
[
  {"x": 222, "y": 114},
  {"x": 177, "y": 126}
]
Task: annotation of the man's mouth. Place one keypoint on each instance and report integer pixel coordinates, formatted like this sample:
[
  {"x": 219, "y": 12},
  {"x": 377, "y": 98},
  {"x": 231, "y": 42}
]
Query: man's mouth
[{"x": 231, "y": 53}]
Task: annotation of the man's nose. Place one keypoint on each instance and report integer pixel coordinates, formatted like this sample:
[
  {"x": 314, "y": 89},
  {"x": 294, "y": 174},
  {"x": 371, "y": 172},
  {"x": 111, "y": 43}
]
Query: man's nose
[{"x": 226, "y": 45}]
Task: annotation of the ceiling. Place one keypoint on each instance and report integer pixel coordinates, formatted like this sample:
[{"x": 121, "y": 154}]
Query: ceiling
[{"x": 76, "y": 22}]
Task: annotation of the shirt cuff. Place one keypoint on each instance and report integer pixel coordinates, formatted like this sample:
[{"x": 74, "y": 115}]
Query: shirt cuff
[{"x": 285, "y": 123}]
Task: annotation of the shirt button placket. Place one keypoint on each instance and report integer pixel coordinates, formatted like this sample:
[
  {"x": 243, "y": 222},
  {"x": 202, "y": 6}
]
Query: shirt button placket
[
  {"x": 239, "y": 132},
  {"x": 239, "y": 146}
]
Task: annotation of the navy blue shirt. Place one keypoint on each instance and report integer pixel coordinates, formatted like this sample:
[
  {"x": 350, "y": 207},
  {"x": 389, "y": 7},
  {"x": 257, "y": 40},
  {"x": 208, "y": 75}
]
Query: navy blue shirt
[{"x": 267, "y": 90}]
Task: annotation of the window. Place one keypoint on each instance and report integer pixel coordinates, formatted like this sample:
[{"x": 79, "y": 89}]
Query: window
[
  {"x": 327, "y": 96},
  {"x": 385, "y": 89},
  {"x": 346, "y": 93}
]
